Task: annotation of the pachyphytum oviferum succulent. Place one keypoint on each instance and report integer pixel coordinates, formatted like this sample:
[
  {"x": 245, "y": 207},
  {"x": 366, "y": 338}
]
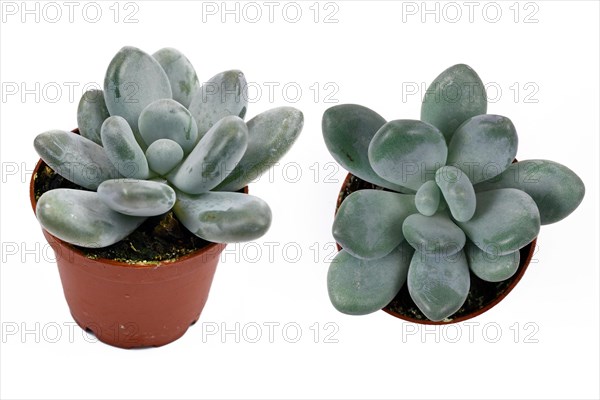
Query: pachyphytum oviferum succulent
[
  {"x": 155, "y": 139},
  {"x": 455, "y": 200}
]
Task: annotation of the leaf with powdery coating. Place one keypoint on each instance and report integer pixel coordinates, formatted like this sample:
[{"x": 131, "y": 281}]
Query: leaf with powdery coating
[
  {"x": 223, "y": 95},
  {"x": 427, "y": 198},
  {"x": 556, "y": 190},
  {"x": 122, "y": 148},
  {"x": 75, "y": 158},
  {"x": 270, "y": 135},
  {"x": 223, "y": 217},
  {"x": 456, "y": 95},
  {"x": 439, "y": 286},
  {"x": 133, "y": 80},
  {"x": 81, "y": 218},
  {"x": 507, "y": 219},
  {"x": 167, "y": 119},
  {"x": 492, "y": 267},
  {"x": 368, "y": 223},
  {"x": 181, "y": 73},
  {"x": 483, "y": 146},
  {"x": 163, "y": 155},
  {"x": 458, "y": 192},
  {"x": 407, "y": 152},
  {"x": 357, "y": 286},
  {"x": 435, "y": 235},
  {"x": 91, "y": 113},
  {"x": 348, "y": 130},
  {"x": 138, "y": 198},
  {"x": 213, "y": 157}
]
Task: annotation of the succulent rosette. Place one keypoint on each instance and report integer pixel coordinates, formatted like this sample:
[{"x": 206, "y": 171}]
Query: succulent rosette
[
  {"x": 453, "y": 201},
  {"x": 155, "y": 140}
]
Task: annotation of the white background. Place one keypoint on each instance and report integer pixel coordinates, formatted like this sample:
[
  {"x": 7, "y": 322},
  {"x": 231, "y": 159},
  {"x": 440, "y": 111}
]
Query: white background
[{"x": 541, "y": 341}]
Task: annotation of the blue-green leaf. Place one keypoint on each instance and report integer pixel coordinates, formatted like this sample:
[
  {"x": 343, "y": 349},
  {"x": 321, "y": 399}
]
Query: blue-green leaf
[
  {"x": 91, "y": 113},
  {"x": 556, "y": 190},
  {"x": 181, "y": 73},
  {"x": 270, "y": 135},
  {"x": 368, "y": 224},
  {"x": 407, "y": 152},
  {"x": 213, "y": 158},
  {"x": 133, "y": 80},
  {"x": 507, "y": 219},
  {"x": 348, "y": 130},
  {"x": 137, "y": 197},
  {"x": 223, "y": 95},
  {"x": 75, "y": 158},
  {"x": 456, "y": 95},
  {"x": 357, "y": 286},
  {"x": 439, "y": 286},
  {"x": 223, "y": 217},
  {"x": 483, "y": 146},
  {"x": 122, "y": 148},
  {"x": 80, "y": 218}
]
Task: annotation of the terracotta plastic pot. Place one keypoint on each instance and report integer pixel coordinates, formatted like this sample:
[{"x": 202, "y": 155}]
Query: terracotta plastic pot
[
  {"x": 133, "y": 305},
  {"x": 482, "y": 295}
]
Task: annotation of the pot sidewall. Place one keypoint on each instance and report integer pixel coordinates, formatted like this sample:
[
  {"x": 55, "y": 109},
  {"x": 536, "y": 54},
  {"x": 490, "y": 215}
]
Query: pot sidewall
[{"x": 133, "y": 305}]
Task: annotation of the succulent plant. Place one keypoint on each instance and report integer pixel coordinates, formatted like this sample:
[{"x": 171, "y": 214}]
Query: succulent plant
[
  {"x": 154, "y": 140},
  {"x": 452, "y": 202}
]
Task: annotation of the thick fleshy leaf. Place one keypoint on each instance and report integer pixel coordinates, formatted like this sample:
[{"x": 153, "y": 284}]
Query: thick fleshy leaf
[
  {"x": 505, "y": 219},
  {"x": 122, "y": 148},
  {"x": 133, "y": 80},
  {"x": 357, "y": 286},
  {"x": 75, "y": 158},
  {"x": 137, "y": 197},
  {"x": 167, "y": 119},
  {"x": 270, "y": 135},
  {"x": 491, "y": 267},
  {"x": 223, "y": 95},
  {"x": 456, "y": 95},
  {"x": 223, "y": 217},
  {"x": 163, "y": 155},
  {"x": 556, "y": 190},
  {"x": 458, "y": 192},
  {"x": 427, "y": 199},
  {"x": 91, "y": 113},
  {"x": 439, "y": 286},
  {"x": 181, "y": 73},
  {"x": 407, "y": 152},
  {"x": 80, "y": 218},
  {"x": 433, "y": 236},
  {"x": 213, "y": 158},
  {"x": 483, "y": 146},
  {"x": 348, "y": 130},
  {"x": 368, "y": 224}
]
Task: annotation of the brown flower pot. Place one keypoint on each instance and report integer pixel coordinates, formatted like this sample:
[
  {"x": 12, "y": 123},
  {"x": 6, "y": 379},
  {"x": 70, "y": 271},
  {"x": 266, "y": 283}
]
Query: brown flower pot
[
  {"x": 133, "y": 305},
  {"x": 482, "y": 295}
]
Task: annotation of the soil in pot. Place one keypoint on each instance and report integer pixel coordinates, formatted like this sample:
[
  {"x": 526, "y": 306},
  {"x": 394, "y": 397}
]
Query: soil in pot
[
  {"x": 482, "y": 295},
  {"x": 159, "y": 238}
]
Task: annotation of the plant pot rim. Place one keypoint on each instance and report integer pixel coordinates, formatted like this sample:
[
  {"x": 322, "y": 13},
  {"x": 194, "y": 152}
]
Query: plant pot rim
[
  {"x": 523, "y": 264},
  {"x": 151, "y": 264}
]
